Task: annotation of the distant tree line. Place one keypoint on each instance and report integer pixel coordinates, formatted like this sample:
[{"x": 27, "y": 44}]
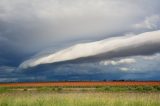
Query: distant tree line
[{"x": 121, "y": 80}]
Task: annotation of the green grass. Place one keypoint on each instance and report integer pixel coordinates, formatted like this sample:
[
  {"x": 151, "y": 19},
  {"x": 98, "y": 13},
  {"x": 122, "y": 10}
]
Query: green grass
[
  {"x": 79, "y": 99},
  {"x": 129, "y": 89},
  {"x": 84, "y": 89},
  {"x": 80, "y": 96}
]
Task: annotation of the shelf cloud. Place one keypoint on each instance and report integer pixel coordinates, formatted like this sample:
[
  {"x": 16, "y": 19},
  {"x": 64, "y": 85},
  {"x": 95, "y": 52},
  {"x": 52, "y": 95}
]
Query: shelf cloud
[
  {"x": 123, "y": 46},
  {"x": 53, "y": 40}
]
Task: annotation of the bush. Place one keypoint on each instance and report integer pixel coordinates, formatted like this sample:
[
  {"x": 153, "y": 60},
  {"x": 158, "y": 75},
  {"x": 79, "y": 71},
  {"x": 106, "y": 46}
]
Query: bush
[
  {"x": 3, "y": 89},
  {"x": 139, "y": 88},
  {"x": 43, "y": 89},
  {"x": 53, "y": 89},
  {"x": 157, "y": 88},
  {"x": 148, "y": 88},
  {"x": 25, "y": 89},
  {"x": 59, "y": 89},
  {"x": 108, "y": 88}
]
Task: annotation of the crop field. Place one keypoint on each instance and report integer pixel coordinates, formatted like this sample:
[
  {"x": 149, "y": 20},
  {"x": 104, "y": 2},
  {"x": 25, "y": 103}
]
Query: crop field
[{"x": 80, "y": 94}]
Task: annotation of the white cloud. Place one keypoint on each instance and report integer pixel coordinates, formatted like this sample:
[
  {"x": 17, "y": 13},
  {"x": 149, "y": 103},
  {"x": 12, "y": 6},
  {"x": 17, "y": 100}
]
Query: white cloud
[
  {"x": 8, "y": 79},
  {"x": 151, "y": 22},
  {"x": 125, "y": 69},
  {"x": 119, "y": 46},
  {"x": 152, "y": 57},
  {"x": 7, "y": 68},
  {"x": 118, "y": 62}
]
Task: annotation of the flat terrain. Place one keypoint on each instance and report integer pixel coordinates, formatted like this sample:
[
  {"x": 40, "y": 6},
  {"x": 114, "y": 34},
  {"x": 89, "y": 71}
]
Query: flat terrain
[
  {"x": 82, "y": 84},
  {"x": 79, "y": 99},
  {"x": 120, "y": 93}
]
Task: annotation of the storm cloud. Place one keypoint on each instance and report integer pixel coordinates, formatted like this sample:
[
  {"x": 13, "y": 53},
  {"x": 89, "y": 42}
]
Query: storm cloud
[
  {"x": 48, "y": 38},
  {"x": 141, "y": 44},
  {"x": 31, "y": 26}
]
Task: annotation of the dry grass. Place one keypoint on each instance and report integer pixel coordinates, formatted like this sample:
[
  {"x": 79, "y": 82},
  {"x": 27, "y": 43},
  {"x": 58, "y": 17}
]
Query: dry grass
[{"x": 79, "y": 99}]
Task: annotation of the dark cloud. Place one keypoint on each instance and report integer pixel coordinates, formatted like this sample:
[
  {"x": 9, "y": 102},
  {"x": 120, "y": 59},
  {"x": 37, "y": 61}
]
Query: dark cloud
[
  {"x": 142, "y": 44},
  {"x": 29, "y": 27}
]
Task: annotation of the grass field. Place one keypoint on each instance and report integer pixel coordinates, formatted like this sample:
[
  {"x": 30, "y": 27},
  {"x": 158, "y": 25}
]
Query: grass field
[
  {"x": 121, "y": 94},
  {"x": 79, "y": 99}
]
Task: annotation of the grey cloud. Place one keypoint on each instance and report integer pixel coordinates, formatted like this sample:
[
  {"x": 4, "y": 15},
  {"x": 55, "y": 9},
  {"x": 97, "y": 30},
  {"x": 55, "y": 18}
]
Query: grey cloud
[
  {"x": 152, "y": 22},
  {"x": 155, "y": 57},
  {"x": 141, "y": 44},
  {"x": 144, "y": 64},
  {"x": 37, "y": 24},
  {"x": 28, "y": 27},
  {"x": 8, "y": 79},
  {"x": 7, "y": 68}
]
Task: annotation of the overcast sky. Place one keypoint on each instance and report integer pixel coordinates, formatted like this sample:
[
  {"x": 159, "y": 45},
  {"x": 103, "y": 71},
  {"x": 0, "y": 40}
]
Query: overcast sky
[{"x": 44, "y": 40}]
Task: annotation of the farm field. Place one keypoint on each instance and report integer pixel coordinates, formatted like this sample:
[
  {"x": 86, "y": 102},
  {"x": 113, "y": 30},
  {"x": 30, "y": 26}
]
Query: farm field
[{"x": 80, "y": 94}]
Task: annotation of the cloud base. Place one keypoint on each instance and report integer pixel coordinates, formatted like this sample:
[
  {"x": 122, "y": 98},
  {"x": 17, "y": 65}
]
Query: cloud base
[{"x": 141, "y": 44}]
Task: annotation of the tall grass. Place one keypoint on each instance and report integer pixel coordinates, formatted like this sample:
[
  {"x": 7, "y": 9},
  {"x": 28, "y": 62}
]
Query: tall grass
[{"x": 79, "y": 99}]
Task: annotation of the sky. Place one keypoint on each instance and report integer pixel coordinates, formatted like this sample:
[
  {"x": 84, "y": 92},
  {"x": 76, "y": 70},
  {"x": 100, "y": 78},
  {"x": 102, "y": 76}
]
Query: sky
[{"x": 55, "y": 40}]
